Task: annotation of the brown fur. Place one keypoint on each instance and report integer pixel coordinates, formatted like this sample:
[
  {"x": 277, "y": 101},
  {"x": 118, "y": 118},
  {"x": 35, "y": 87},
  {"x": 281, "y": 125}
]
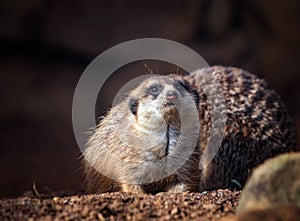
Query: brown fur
[{"x": 258, "y": 127}]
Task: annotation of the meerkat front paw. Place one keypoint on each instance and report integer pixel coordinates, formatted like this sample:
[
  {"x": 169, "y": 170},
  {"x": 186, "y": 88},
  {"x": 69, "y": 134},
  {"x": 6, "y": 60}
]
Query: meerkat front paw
[
  {"x": 132, "y": 188},
  {"x": 178, "y": 188}
]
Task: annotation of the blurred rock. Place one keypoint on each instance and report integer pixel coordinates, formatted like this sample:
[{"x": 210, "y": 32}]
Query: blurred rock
[
  {"x": 278, "y": 213},
  {"x": 273, "y": 184}
]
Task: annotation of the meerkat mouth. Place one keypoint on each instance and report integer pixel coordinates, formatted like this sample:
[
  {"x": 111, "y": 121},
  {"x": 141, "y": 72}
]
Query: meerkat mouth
[{"x": 170, "y": 104}]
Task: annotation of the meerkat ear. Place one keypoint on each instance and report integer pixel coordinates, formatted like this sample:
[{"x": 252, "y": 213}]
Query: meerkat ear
[
  {"x": 193, "y": 92},
  {"x": 133, "y": 105}
]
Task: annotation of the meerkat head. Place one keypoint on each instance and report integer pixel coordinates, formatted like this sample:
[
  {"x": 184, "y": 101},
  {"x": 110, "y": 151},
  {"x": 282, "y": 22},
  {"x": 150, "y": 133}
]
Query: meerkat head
[{"x": 156, "y": 101}]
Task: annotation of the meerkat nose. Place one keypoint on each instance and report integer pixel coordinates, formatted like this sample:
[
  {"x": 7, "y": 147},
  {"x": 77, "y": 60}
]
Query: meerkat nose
[{"x": 172, "y": 95}]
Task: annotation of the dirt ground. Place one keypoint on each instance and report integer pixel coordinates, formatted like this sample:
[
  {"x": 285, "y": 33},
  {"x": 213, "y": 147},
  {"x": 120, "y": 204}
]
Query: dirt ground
[{"x": 208, "y": 205}]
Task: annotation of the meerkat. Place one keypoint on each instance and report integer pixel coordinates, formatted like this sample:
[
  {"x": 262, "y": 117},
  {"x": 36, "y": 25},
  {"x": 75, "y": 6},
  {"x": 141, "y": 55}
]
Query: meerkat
[{"x": 158, "y": 137}]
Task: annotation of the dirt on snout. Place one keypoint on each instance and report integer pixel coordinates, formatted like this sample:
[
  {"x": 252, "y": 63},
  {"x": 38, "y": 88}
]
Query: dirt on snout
[{"x": 208, "y": 205}]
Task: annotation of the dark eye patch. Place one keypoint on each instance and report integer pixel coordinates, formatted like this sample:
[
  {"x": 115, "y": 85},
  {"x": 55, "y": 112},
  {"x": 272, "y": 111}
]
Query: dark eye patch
[{"x": 133, "y": 105}]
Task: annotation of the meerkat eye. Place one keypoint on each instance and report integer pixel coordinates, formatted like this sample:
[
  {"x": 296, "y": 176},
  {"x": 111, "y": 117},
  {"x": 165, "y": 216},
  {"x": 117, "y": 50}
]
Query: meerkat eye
[{"x": 154, "y": 89}]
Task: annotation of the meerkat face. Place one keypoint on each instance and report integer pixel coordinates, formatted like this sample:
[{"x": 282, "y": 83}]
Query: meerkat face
[
  {"x": 157, "y": 107},
  {"x": 162, "y": 118},
  {"x": 156, "y": 101}
]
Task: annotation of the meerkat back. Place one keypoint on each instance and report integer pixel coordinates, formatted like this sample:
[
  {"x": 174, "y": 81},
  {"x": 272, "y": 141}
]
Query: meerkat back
[{"x": 257, "y": 124}]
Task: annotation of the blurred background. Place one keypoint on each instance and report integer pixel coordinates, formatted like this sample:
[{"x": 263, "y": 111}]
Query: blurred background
[{"x": 46, "y": 45}]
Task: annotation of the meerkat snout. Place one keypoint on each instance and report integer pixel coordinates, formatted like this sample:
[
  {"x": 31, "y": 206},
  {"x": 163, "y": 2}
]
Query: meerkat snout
[{"x": 172, "y": 95}]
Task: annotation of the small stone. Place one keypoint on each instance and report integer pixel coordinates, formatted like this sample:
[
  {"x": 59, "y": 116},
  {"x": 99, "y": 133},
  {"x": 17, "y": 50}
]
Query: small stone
[
  {"x": 174, "y": 211},
  {"x": 85, "y": 211},
  {"x": 55, "y": 199},
  {"x": 58, "y": 207},
  {"x": 214, "y": 194},
  {"x": 100, "y": 217}
]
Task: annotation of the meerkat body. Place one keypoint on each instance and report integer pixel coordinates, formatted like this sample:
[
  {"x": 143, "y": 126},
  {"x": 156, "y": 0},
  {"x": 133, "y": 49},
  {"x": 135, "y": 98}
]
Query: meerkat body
[{"x": 158, "y": 138}]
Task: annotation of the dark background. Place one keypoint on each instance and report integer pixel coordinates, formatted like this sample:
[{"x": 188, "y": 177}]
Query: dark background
[{"x": 46, "y": 45}]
